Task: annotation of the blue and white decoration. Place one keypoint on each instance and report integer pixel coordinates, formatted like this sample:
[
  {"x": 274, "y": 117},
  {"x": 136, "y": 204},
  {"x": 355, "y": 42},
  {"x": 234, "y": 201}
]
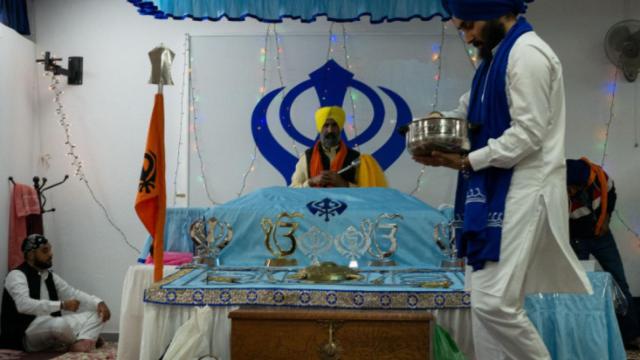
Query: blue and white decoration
[{"x": 330, "y": 82}]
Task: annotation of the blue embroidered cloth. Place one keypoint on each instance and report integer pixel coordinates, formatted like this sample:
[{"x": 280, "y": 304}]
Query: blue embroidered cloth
[
  {"x": 480, "y": 199},
  {"x": 331, "y": 214}
]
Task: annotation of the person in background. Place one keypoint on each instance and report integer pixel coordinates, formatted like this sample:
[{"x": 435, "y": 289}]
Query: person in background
[
  {"x": 592, "y": 197},
  {"x": 40, "y": 311}
]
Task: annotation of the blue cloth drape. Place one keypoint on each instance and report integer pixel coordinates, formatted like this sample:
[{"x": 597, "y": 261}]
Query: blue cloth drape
[
  {"x": 480, "y": 200},
  {"x": 578, "y": 326},
  {"x": 176, "y": 230},
  {"x": 13, "y": 13},
  {"x": 304, "y": 10}
]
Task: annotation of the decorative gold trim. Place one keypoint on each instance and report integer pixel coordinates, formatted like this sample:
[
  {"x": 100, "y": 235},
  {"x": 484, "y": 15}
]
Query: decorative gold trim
[{"x": 309, "y": 298}]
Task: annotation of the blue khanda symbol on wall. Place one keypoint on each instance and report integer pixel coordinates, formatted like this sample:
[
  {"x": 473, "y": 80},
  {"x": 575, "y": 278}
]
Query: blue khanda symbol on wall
[{"x": 330, "y": 82}]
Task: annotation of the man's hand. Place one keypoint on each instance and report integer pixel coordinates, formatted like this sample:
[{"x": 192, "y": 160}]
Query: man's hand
[
  {"x": 605, "y": 225},
  {"x": 316, "y": 181},
  {"x": 70, "y": 305},
  {"x": 104, "y": 312},
  {"x": 437, "y": 158},
  {"x": 331, "y": 178},
  {"x": 328, "y": 178}
]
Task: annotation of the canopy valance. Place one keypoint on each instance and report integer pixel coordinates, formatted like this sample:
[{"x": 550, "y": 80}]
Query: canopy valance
[{"x": 306, "y": 11}]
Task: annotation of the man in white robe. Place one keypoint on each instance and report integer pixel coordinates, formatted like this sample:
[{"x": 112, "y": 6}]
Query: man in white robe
[
  {"x": 534, "y": 251},
  {"x": 40, "y": 311}
]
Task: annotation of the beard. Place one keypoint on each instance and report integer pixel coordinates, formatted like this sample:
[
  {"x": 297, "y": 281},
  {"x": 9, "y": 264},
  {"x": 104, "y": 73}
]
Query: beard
[
  {"x": 330, "y": 140},
  {"x": 493, "y": 32},
  {"x": 43, "y": 264}
]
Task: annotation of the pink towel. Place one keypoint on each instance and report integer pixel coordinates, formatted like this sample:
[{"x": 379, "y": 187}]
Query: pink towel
[
  {"x": 173, "y": 258},
  {"x": 24, "y": 202}
]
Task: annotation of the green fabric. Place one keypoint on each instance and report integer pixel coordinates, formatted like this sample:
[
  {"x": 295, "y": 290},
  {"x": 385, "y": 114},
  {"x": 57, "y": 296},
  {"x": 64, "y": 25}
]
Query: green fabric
[{"x": 444, "y": 348}]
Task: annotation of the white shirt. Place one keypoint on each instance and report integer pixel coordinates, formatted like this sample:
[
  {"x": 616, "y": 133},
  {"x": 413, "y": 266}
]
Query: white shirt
[{"x": 17, "y": 286}]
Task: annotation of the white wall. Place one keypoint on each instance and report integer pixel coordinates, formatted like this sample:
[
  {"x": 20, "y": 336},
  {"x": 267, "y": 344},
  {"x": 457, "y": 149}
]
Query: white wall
[
  {"x": 18, "y": 122},
  {"x": 110, "y": 113}
]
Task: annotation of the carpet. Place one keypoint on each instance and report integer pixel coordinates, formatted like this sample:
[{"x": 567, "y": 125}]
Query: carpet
[{"x": 108, "y": 351}]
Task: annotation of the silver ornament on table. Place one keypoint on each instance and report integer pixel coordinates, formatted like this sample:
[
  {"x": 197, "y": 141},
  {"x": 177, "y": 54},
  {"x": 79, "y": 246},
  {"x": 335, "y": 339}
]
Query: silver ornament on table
[{"x": 381, "y": 255}]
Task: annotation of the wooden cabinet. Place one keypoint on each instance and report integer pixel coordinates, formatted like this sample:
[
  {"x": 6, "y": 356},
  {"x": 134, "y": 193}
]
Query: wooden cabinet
[{"x": 297, "y": 333}]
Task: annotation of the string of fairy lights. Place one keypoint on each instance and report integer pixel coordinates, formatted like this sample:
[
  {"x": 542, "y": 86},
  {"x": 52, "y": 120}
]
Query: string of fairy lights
[
  {"x": 279, "y": 50},
  {"x": 612, "y": 90},
  {"x": 76, "y": 162},
  {"x": 264, "y": 57},
  {"x": 351, "y": 126},
  {"x": 194, "y": 118},
  {"x": 436, "y": 57},
  {"x": 185, "y": 69}
]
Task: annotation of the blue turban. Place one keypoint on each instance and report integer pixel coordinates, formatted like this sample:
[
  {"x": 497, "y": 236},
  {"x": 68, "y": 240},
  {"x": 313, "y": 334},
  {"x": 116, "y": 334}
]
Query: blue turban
[
  {"x": 484, "y": 9},
  {"x": 578, "y": 172}
]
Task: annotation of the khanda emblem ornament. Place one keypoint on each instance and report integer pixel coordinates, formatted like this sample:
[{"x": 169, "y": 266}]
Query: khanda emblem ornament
[
  {"x": 327, "y": 208},
  {"x": 271, "y": 234},
  {"x": 210, "y": 238},
  {"x": 148, "y": 174},
  {"x": 331, "y": 83}
]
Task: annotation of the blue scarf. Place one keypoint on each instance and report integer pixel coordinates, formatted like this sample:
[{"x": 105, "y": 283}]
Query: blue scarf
[{"x": 480, "y": 199}]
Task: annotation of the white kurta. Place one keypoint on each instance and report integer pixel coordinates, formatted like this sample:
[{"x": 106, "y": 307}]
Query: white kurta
[
  {"x": 534, "y": 148},
  {"x": 46, "y": 331}
]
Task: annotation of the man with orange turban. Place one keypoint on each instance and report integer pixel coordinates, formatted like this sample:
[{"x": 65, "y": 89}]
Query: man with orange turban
[{"x": 319, "y": 165}]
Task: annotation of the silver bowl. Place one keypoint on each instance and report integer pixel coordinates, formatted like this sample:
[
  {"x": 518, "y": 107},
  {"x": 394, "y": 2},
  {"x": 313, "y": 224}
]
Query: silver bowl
[{"x": 444, "y": 134}]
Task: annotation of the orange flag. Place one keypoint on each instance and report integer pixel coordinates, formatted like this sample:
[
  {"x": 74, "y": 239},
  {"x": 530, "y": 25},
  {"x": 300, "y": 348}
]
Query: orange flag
[{"x": 151, "y": 201}]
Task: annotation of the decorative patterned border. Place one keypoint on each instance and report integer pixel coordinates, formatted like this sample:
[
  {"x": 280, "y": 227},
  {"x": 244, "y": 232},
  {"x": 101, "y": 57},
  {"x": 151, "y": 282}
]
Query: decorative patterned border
[{"x": 308, "y": 298}]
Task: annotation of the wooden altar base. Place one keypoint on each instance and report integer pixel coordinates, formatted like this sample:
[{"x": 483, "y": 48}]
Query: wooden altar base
[{"x": 296, "y": 333}]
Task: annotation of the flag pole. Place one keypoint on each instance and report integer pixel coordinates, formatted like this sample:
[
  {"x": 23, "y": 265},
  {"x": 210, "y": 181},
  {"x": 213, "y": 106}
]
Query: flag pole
[{"x": 151, "y": 200}]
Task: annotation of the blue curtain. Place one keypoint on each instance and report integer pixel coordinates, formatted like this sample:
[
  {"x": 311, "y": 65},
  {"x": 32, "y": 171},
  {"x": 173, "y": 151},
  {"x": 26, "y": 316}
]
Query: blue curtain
[
  {"x": 303, "y": 10},
  {"x": 13, "y": 13}
]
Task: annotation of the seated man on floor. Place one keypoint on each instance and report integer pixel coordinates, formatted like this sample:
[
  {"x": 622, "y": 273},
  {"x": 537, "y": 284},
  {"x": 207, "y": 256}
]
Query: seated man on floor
[
  {"x": 330, "y": 163},
  {"x": 33, "y": 301}
]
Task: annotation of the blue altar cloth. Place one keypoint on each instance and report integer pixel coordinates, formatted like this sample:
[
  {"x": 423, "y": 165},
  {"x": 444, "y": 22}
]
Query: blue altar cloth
[
  {"x": 176, "y": 230},
  {"x": 416, "y": 245},
  {"x": 332, "y": 212},
  {"x": 579, "y": 327}
]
